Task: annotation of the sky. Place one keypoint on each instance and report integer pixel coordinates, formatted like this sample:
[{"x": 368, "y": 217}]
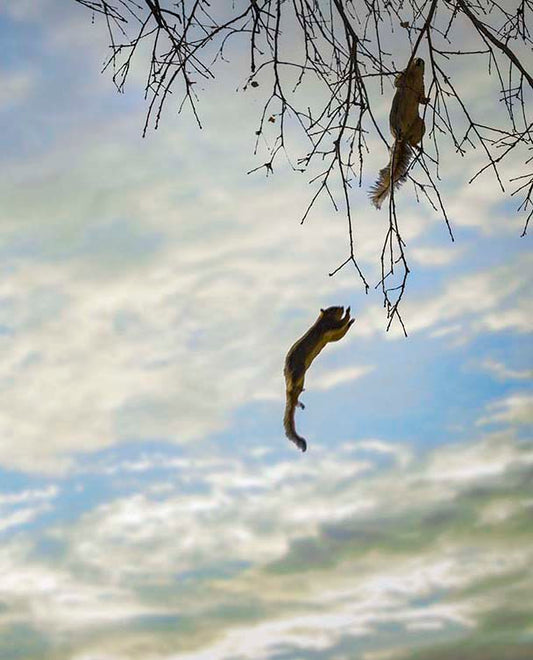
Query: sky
[{"x": 150, "y": 506}]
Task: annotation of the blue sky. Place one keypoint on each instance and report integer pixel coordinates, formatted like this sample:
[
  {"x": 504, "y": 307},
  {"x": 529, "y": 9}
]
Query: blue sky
[{"x": 150, "y": 506}]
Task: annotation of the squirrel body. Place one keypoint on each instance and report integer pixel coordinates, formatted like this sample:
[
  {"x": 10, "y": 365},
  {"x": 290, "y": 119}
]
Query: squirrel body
[
  {"x": 331, "y": 325},
  {"x": 406, "y": 126}
]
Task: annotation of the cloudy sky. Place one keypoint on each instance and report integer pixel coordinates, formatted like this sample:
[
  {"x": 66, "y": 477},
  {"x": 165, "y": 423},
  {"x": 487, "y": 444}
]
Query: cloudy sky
[{"x": 150, "y": 506}]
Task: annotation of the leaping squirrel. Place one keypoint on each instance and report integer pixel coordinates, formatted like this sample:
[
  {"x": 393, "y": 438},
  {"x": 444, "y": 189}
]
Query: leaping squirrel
[
  {"x": 331, "y": 325},
  {"x": 406, "y": 126}
]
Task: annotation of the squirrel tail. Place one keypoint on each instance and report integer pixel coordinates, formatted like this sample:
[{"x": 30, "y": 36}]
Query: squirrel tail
[
  {"x": 288, "y": 423},
  {"x": 402, "y": 154}
]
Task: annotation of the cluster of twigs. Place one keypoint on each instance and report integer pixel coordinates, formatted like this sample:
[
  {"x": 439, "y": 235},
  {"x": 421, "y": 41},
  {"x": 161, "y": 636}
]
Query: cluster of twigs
[{"x": 326, "y": 63}]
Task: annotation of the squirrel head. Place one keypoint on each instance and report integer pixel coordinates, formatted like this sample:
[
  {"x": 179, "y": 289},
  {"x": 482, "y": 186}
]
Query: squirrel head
[
  {"x": 417, "y": 68},
  {"x": 335, "y": 316},
  {"x": 334, "y": 313},
  {"x": 414, "y": 72}
]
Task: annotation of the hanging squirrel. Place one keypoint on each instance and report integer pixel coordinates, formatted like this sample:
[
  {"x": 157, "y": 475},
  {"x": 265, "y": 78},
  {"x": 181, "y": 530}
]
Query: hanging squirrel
[
  {"x": 331, "y": 325},
  {"x": 406, "y": 126}
]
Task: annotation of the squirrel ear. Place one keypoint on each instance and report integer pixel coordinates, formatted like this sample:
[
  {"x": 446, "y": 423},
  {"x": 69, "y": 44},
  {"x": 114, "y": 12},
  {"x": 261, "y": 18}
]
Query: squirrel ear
[{"x": 321, "y": 310}]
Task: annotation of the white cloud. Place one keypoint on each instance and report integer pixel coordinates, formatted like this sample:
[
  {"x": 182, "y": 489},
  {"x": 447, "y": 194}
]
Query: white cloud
[
  {"x": 334, "y": 377},
  {"x": 475, "y": 206},
  {"x": 34, "y": 503},
  {"x": 492, "y": 300},
  {"x": 160, "y": 326},
  {"x": 477, "y": 462},
  {"x": 15, "y": 87},
  {"x": 435, "y": 256},
  {"x": 516, "y": 317},
  {"x": 150, "y": 291},
  {"x": 376, "y": 543},
  {"x": 20, "y": 516},
  {"x": 400, "y": 452},
  {"x": 517, "y": 408},
  {"x": 28, "y": 496},
  {"x": 20, "y": 10},
  {"x": 501, "y": 510},
  {"x": 286, "y": 492},
  {"x": 179, "y": 527},
  {"x": 49, "y": 596},
  {"x": 503, "y": 372}
]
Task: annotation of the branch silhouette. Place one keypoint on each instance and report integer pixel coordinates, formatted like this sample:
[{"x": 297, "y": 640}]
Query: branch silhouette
[{"x": 341, "y": 49}]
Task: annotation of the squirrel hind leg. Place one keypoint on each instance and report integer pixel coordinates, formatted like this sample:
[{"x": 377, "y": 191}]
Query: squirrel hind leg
[{"x": 417, "y": 131}]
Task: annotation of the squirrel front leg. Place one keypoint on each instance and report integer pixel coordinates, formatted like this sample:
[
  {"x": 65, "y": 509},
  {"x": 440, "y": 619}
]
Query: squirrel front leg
[{"x": 347, "y": 326}]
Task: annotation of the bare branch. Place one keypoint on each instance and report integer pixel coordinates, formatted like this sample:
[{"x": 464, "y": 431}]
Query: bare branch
[{"x": 347, "y": 53}]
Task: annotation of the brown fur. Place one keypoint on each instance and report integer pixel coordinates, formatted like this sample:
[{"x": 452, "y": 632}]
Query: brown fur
[
  {"x": 406, "y": 127},
  {"x": 331, "y": 325}
]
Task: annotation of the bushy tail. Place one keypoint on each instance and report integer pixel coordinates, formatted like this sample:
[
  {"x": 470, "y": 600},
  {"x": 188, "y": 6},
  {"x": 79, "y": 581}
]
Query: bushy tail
[
  {"x": 402, "y": 154},
  {"x": 288, "y": 423}
]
